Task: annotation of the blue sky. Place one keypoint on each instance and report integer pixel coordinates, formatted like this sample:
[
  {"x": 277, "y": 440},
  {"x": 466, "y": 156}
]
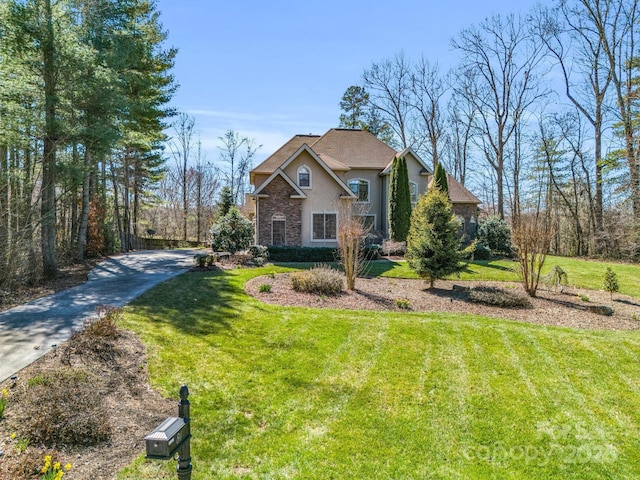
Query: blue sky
[{"x": 270, "y": 70}]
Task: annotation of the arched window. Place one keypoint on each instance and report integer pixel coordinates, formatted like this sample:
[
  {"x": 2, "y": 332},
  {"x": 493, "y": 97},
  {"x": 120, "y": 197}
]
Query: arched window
[
  {"x": 304, "y": 177},
  {"x": 278, "y": 229},
  {"x": 413, "y": 189},
  {"x": 360, "y": 188},
  {"x": 460, "y": 219},
  {"x": 473, "y": 226}
]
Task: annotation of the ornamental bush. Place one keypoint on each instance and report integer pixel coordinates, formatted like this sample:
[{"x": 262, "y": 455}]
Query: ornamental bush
[
  {"x": 495, "y": 234},
  {"x": 232, "y": 232},
  {"x": 321, "y": 280},
  {"x": 498, "y": 297}
]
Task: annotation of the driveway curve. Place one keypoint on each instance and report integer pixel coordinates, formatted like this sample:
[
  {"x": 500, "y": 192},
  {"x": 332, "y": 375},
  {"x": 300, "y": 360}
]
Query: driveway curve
[{"x": 29, "y": 331}]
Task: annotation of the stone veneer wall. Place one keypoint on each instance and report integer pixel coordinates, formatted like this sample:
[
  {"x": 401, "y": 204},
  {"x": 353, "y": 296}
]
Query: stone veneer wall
[
  {"x": 466, "y": 211},
  {"x": 279, "y": 201}
]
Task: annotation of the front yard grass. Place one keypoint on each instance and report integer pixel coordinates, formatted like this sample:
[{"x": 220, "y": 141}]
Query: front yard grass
[
  {"x": 582, "y": 273},
  {"x": 315, "y": 394}
]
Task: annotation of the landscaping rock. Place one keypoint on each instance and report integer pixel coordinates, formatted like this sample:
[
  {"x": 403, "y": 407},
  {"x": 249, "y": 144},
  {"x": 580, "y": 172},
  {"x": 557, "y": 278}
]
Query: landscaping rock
[
  {"x": 600, "y": 310},
  {"x": 459, "y": 288}
]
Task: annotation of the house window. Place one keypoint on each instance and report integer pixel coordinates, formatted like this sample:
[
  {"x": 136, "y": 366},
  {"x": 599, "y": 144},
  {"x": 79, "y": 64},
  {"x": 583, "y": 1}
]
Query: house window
[
  {"x": 413, "y": 188},
  {"x": 460, "y": 219},
  {"x": 368, "y": 222},
  {"x": 324, "y": 226},
  {"x": 473, "y": 226},
  {"x": 360, "y": 189},
  {"x": 278, "y": 229},
  {"x": 304, "y": 177}
]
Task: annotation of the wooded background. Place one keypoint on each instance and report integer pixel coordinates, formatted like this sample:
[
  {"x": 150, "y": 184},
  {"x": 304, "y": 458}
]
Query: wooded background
[{"x": 540, "y": 113}]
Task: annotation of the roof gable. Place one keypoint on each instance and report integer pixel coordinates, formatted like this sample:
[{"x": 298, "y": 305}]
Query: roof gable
[
  {"x": 299, "y": 193},
  {"x": 280, "y": 173},
  {"x": 306, "y": 148},
  {"x": 281, "y": 155},
  {"x": 426, "y": 170}
]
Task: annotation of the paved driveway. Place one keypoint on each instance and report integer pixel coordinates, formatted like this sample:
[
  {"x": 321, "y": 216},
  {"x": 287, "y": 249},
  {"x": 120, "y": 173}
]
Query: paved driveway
[{"x": 27, "y": 332}]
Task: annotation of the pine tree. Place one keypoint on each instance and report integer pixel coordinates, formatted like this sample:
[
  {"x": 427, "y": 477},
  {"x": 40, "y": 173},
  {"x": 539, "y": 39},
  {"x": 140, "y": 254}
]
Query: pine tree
[
  {"x": 399, "y": 201},
  {"x": 353, "y": 103},
  {"x": 226, "y": 201},
  {"x": 433, "y": 248},
  {"x": 440, "y": 178},
  {"x": 610, "y": 282}
]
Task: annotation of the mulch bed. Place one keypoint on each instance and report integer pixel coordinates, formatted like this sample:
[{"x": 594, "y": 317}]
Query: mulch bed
[
  {"x": 134, "y": 410},
  {"x": 549, "y": 308}
]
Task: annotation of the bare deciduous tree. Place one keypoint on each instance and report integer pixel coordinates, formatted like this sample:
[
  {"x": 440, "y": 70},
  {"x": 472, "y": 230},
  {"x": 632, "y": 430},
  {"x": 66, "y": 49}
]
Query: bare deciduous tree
[
  {"x": 500, "y": 59},
  {"x": 351, "y": 233},
  {"x": 574, "y": 42},
  {"x": 615, "y": 22},
  {"x": 389, "y": 86},
  {"x": 181, "y": 147},
  {"x": 531, "y": 235},
  {"x": 237, "y": 152},
  {"x": 461, "y": 115},
  {"x": 428, "y": 89}
]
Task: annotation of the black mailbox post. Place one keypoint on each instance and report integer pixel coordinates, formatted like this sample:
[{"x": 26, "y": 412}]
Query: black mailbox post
[{"x": 173, "y": 435}]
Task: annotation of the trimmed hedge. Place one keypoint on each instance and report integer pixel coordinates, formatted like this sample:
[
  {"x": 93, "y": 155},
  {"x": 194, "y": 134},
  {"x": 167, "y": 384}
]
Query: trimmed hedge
[{"x": 302, "y": 254}]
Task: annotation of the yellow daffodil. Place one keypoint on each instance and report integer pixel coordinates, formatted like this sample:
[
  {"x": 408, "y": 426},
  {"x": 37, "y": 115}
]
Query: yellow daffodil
[
  {"x": 13, "y": 436},
  {"x": 67, "y": 467},
  {"x": 56, "y": 466},
  {"x": 47, "y": 464},
  {"x": 5, "y": 392}
]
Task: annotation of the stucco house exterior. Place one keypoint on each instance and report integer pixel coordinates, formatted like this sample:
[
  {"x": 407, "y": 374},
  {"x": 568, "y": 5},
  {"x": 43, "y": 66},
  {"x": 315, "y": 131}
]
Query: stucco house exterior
[{"x": 302, "y": 190}]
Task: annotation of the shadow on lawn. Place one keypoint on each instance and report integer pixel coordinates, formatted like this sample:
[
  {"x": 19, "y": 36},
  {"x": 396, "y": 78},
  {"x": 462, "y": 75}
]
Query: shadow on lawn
[
  {"x": 486, "y": 264},
  {"x": 197, "y": 303},
  {"x": 375, "y": 268}
]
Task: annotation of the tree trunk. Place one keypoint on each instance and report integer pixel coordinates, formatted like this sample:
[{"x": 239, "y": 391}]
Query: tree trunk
[
  {"x": 86, "y": 197},
  {"x": 48, "y": 201},
  {"x": 185, "y": 203}
]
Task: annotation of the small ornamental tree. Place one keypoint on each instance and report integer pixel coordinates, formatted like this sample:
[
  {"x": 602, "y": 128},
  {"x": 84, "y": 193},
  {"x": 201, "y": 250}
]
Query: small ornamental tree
[
  {"x": 532, "y": 236},
  {"x": 232, "y": 232},
  {"x": 610, "y": 282},
  {"x": 440, "y": 179},
  {"x": 351, "y": 231},
  {"x": 399, "y": 201},
  {"x": 434, "y": 250}
]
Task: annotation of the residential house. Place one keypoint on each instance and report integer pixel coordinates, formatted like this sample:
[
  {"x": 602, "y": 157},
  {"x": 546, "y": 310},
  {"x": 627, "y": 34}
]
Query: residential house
[{"x": 303, "y": 189}]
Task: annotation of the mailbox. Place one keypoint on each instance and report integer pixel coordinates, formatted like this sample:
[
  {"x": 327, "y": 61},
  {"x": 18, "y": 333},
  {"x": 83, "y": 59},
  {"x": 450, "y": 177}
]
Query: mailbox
[{"x": 165, "y": 440}]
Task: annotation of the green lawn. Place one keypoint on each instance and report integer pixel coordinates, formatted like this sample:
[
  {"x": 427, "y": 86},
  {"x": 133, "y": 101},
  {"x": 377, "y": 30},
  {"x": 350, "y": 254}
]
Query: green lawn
[
  {"x": 317, "y": 394},
  {"x": 582, "y": 273}
]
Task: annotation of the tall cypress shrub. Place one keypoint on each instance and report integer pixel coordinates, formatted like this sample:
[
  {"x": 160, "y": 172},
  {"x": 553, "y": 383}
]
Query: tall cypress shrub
[
  {"x": 440, "y": 179},
  {"x": 399, "y": 201}
]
